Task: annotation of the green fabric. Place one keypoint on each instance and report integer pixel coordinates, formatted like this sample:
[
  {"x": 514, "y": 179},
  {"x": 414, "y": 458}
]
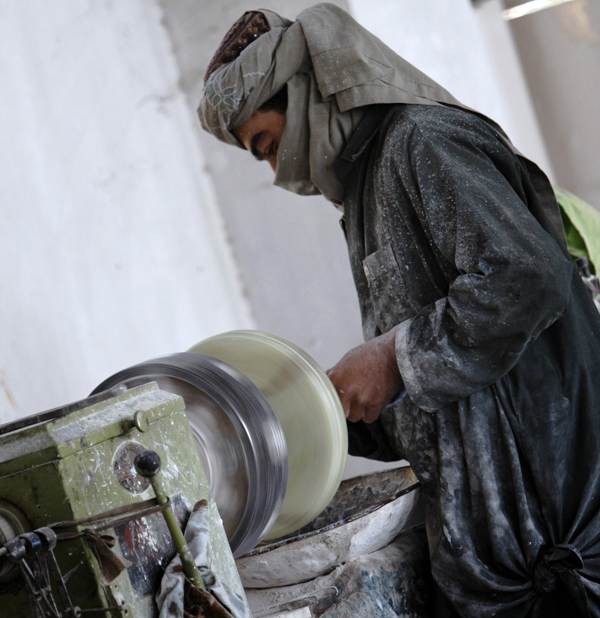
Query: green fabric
[{"x": 582, "y": 227}]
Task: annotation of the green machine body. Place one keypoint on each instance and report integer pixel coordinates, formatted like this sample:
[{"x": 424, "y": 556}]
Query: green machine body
[{"x": 73, "y": 473}]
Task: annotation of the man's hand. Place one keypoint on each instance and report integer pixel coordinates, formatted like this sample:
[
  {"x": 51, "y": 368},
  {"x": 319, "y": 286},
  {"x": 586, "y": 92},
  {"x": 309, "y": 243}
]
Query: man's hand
[{"x": 367, "y": 378}]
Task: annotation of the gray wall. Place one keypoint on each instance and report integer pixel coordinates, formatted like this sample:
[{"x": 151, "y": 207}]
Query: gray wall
[
  {"x": 560, "y": 52},
  {"x": 289, "y": 250}
]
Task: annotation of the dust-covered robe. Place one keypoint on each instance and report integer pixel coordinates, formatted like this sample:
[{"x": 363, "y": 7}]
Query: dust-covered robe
[{"x": 455, "y": 239}]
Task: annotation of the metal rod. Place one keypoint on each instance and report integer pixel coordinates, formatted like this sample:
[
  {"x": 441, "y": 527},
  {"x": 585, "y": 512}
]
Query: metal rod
[
  {"x": 63, "y": 583},
  {"x": 148, "y": 464}
]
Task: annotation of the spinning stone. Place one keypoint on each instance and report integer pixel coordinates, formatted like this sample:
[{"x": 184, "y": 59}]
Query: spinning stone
[
  {"x": 309, "y": 411},
  {"x": 239, "y": 439}
]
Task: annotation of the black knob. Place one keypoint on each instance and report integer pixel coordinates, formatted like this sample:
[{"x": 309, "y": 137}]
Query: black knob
[{"x": 147, "y": 463}]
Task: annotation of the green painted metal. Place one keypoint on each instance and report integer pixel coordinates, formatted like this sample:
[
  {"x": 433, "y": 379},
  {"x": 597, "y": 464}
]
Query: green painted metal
[
  {"x": 65, "y": 470},
  {"x": 187, "y": 560}
]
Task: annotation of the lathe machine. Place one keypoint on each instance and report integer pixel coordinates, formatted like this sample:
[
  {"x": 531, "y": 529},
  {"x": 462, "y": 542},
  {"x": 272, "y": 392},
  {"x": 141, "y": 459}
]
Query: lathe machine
[{"x": 93, "y": 495}]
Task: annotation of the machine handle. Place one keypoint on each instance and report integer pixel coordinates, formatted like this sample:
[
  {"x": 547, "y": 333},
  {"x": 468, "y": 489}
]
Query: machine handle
[{"x": 147, "y": 465}]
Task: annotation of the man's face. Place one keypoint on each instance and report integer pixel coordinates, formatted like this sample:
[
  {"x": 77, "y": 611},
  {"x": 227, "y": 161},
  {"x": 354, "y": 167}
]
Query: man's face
[{"x": 261, "y": 135}]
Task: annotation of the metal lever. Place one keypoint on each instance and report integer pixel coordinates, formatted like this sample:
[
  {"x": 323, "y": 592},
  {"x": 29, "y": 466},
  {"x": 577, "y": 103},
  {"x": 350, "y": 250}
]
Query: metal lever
[{"x": 148, "y": 465}]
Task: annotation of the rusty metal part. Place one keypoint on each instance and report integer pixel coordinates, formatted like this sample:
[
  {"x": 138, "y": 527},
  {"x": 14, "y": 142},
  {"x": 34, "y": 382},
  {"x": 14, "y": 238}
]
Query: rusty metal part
[
  {"x": 202, "y": 604},
  {"x": 107, "y": 519}
]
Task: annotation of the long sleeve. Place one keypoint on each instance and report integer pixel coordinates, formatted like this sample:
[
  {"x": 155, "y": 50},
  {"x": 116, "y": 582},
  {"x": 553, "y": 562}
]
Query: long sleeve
[{"x": 513, "y": 278}]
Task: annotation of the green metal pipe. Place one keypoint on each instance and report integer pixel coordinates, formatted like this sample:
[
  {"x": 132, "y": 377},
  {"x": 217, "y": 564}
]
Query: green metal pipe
[{"x": 148, "y": 464}]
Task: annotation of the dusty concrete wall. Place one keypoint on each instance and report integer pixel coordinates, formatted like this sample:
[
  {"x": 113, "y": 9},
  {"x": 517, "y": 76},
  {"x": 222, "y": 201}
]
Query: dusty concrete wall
[
  {"x": 560, "y": 52},
  {"x": 112, "y": 249}
]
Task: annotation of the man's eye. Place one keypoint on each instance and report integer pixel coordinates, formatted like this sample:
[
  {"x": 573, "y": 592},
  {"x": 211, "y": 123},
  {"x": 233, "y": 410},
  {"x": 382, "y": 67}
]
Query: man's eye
[
  {"x": 254, "y": 146},
  {"x": 261, "y": 155}
]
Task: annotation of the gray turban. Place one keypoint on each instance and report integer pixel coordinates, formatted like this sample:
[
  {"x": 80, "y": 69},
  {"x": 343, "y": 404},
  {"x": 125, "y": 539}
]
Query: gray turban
[{"x": 332, "y": 68}]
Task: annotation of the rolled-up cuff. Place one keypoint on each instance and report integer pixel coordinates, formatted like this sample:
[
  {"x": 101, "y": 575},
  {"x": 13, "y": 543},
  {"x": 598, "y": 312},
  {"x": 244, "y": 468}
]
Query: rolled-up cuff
[{"x": 414, "y": 380}]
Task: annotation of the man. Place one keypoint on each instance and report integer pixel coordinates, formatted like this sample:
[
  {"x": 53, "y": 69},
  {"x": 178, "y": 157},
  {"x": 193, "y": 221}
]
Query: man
[{"x": 470, "y": 303}]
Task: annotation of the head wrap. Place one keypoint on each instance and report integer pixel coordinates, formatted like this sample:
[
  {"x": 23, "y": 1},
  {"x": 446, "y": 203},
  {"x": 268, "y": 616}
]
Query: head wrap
[
  {"x": 244, "y": 31},
  {"x": 332, "y": 67}
]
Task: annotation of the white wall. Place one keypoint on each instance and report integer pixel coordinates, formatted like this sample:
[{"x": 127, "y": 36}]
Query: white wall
[
  {"x": 112, "y": 249},
  {"x": 469, "y": 51}
]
